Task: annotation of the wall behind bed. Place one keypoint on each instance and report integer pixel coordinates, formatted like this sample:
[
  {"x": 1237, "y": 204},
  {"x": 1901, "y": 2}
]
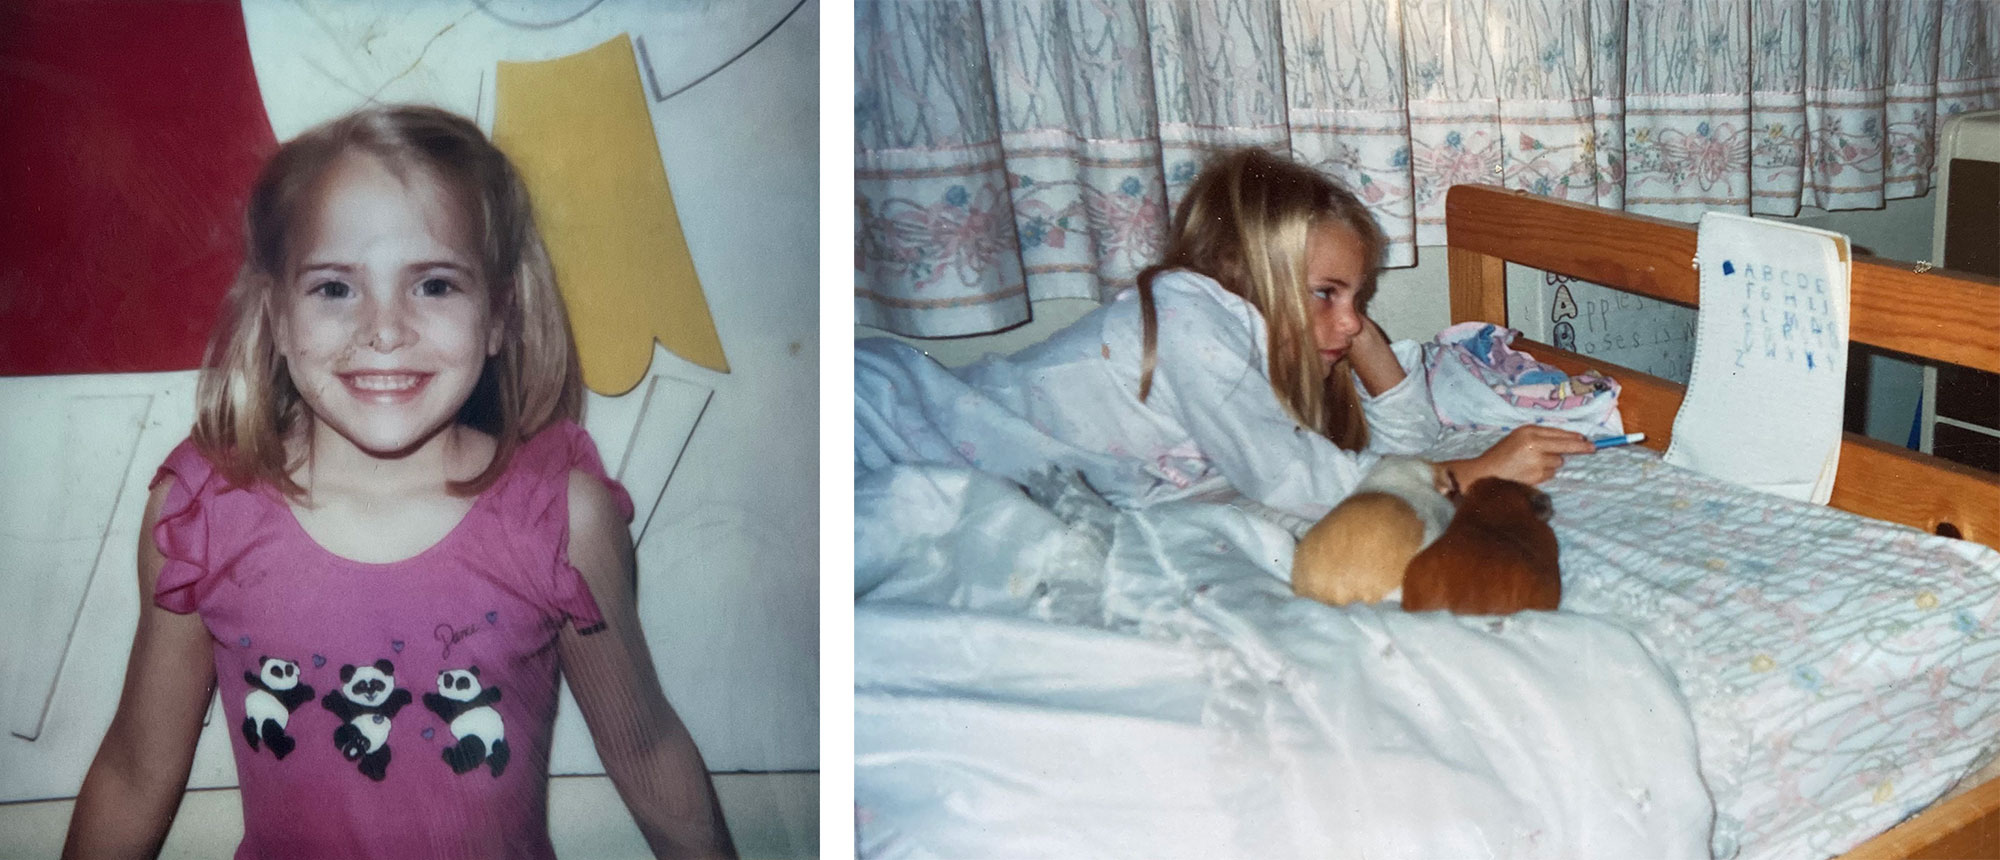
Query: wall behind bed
[
  {"x": 1414, "y": 303},
  {"x": 723, "y": 464}
]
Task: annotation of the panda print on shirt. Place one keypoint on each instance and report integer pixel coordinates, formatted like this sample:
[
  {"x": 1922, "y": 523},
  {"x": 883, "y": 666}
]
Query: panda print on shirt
[
  {"x": 467, "y": 708},
  {"x": 366, "y": 701},
  {"x": 275, "y": 692}
]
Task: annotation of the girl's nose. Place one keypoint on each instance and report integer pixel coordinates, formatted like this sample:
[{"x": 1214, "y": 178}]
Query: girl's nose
[
  {"x": 388, "y": 328},
  {"x": 1338, "y": 324},
  {"x": 1350, "y": 321}
]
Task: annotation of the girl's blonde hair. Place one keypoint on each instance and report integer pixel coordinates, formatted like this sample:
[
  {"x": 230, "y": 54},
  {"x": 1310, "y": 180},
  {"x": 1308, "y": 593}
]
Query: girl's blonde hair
[
  {"x": 1245, "y": 223},
  {"x": 246, "y": 405}
]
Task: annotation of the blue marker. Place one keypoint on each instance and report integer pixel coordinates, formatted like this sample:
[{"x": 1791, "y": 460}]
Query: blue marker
[{"x": 1615, "y": 441}]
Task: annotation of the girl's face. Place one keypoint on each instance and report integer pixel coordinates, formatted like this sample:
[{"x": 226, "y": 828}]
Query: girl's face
[
  {"x": 384, "y": 319},
  {"x": 1335, "y": 273}
]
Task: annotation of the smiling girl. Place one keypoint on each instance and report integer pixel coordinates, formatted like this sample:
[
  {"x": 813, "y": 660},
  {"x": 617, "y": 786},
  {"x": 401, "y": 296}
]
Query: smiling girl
[
  {"x": 386, "y": 447},
  {"x": 1244, "y": 359}
]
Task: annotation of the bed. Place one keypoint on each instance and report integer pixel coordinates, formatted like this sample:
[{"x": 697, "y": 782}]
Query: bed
[
  {"x": 1907, "y": 308},
  {"x": 1734, "y": 675}
]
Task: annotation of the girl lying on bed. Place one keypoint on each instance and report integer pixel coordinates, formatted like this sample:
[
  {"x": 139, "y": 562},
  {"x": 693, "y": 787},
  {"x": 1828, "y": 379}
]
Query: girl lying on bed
[{"x": 1244, "y": 358}]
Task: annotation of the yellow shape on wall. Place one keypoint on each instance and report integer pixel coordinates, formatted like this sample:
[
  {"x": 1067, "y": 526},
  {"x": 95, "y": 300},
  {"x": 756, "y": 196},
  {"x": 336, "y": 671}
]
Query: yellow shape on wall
[{"x": 578, "y": 130}]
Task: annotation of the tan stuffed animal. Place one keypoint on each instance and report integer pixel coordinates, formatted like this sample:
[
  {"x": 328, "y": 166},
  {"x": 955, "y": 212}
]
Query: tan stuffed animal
[{"x": 1358, "y": 551}]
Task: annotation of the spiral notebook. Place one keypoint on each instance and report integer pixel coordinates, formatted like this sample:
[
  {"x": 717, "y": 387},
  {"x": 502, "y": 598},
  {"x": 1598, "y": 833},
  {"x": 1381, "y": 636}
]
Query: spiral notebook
[{"x": 1769, "y": 382}]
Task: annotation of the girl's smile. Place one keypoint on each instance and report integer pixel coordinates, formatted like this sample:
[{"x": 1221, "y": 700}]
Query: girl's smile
[
  {"x": 385, "y": 387},
  {"x": 384, "y": 323}
]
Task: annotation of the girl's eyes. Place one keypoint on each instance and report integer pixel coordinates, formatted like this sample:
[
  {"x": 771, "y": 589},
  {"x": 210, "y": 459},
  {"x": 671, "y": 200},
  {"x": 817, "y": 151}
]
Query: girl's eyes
[
  {"x": 433, "y": 287},
  {"x": 331, "y": 289}
]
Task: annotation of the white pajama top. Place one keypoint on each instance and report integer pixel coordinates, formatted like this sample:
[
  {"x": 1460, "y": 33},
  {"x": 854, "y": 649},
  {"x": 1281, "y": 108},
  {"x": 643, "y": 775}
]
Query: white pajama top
[{"x": 1211, "y": 421}]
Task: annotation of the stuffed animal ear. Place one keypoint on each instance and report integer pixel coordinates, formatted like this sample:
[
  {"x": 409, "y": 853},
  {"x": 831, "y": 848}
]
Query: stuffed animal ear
[
  {"x": 346, "y": 673},
  {"x": 385, "y": 667},
  {"x": 1445, "y": 481},
  {"x": 474, "y": 670}
]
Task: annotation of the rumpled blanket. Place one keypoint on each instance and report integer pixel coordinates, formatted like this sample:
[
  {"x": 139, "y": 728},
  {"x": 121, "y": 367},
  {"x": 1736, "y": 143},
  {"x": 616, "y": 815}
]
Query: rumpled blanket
[{"x": 1041, "y": 676}]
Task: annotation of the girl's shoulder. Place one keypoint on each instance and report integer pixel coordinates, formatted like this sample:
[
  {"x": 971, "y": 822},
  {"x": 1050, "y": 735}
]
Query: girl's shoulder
[
  {"x": 1191, "y": 305},
  {"x": 1181, "y": 286},
  {"x": 537, "y": 480},
  {"x": 1199, "y": 298},
  {"x": 186, "y": 464},
  {"x": 531, "y": 505},
  {"x": 202, "y": 520},
  {"x": 197, "y": 478},
  {"x": 1190, "y": 285}
]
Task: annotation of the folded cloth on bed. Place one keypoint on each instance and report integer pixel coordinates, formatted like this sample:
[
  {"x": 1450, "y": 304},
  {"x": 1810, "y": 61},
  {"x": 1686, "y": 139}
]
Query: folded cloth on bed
[
  {"x": 1479, "y": 382},
  {"x": 1197, "y": 709}
]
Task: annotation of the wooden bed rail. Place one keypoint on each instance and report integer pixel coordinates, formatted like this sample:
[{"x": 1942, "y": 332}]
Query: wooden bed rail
[{"x": 1939, "y": 315}]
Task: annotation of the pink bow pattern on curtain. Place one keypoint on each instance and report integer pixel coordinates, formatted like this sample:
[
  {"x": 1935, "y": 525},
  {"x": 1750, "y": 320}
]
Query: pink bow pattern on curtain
[{"x": 1017, "y": 150}]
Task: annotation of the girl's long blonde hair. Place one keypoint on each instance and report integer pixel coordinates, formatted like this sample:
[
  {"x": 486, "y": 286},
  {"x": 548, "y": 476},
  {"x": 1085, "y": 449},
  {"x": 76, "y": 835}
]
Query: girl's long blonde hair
[
  {"x": 1245, "y": 222},
  {"x": 246, "y": 405}
]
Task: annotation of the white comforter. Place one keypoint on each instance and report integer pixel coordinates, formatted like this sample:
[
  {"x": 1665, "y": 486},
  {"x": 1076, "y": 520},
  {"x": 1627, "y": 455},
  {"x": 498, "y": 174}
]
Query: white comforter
[{"x": 1048, "y": 677}]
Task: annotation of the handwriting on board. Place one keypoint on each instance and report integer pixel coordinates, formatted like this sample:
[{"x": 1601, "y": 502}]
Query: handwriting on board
[{"x": 1786, "y": 316}]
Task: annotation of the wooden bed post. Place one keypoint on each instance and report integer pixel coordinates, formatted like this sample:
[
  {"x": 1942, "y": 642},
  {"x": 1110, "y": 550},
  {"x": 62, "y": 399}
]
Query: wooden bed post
[{"x": 1478, "y": 287}]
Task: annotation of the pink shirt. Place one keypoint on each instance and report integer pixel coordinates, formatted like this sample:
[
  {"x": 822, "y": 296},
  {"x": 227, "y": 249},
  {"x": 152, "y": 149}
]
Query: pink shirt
[{"x": 386, "y": 710}]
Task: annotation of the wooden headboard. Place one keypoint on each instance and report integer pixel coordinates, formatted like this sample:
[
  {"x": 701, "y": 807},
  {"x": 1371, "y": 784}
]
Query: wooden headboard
[{"x": 1936, "y": 314}]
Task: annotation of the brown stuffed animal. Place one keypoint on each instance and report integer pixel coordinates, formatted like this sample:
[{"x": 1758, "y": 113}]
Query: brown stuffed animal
[
  {"x": 1356, "y": 553},
  {"x": 1498, "y": 556}
]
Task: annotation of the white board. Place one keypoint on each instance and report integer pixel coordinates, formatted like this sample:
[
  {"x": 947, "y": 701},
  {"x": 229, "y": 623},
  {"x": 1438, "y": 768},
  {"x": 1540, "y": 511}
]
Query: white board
[{"x": 1765, "y": 400}]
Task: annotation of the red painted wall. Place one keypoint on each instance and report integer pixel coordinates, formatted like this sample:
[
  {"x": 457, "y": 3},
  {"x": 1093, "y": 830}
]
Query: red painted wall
[{"x": 129, "y": 135}]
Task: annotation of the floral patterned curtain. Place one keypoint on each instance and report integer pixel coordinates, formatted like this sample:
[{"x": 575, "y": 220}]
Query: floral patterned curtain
[{"x": 1009, "y": 150}]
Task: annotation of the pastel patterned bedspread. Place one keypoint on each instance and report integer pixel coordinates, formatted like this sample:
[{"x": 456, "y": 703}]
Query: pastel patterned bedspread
[{"x": 1841, "y": 671}]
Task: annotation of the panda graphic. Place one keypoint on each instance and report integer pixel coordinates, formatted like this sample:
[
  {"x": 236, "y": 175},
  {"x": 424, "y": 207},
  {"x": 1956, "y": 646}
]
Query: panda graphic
[
  {"x": 275, "y": 692},
  {"x": 366, "y": 701},
  {"x": 467, "y": 708}
]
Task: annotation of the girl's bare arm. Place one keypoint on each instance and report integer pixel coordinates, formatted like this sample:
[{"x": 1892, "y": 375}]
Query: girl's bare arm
[
  {"x": 134, "y": 785},
  {"x": 645, "y": 747}
]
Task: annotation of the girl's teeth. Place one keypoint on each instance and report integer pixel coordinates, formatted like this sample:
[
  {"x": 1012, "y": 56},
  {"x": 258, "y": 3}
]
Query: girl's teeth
[{"x": 384, "y": 383}]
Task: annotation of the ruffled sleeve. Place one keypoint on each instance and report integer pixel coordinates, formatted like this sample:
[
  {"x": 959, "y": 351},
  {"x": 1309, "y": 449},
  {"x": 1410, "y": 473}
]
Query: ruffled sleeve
[
  {"x": 182, "y": 531},
  {"x": 543, "y": 467}
]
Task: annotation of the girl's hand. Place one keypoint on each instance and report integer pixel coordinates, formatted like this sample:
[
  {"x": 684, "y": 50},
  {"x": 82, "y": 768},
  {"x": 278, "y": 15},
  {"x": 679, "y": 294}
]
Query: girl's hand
[
  {"x": 1530, "y": 454},
  {"x": 1373, "y": 360}
]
